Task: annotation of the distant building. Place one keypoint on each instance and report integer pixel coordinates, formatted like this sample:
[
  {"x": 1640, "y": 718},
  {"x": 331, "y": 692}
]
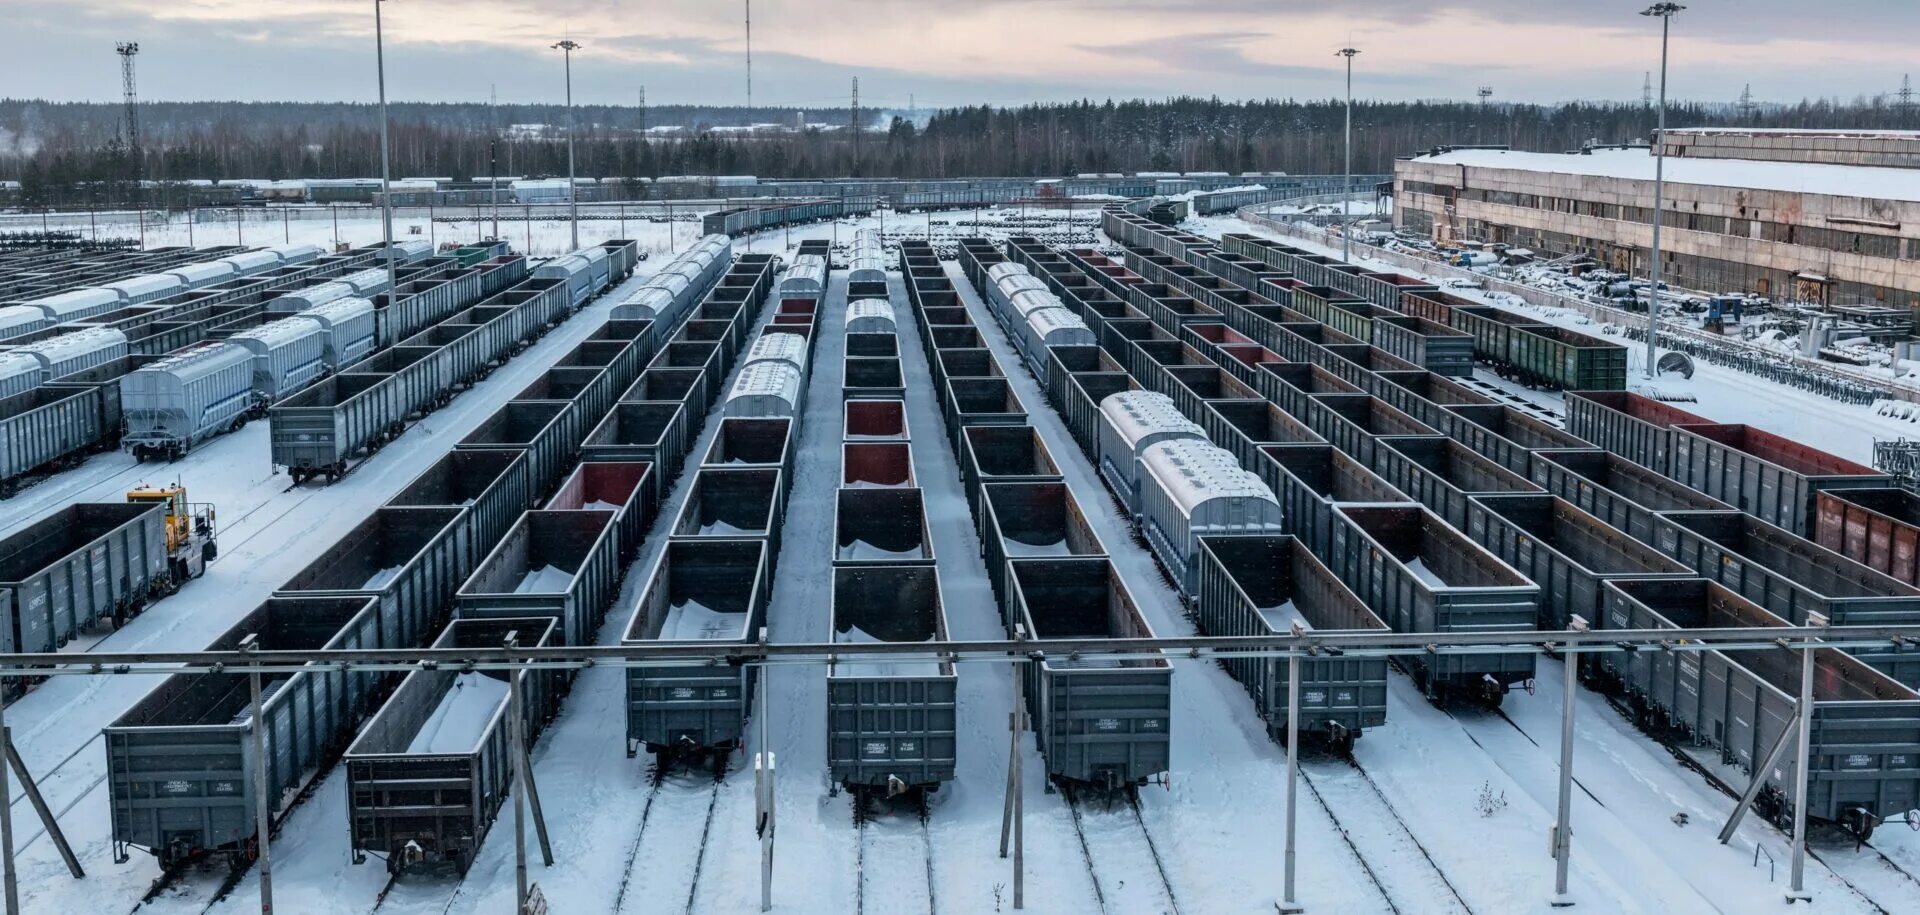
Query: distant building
[{"x": 1831, "y": 217}]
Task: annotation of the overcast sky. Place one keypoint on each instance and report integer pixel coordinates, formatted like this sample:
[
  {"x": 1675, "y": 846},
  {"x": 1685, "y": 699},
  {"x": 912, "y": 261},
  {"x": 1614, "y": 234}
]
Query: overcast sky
[{"x": 941, "y": 52}]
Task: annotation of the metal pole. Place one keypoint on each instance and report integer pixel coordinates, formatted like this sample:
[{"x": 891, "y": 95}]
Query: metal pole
[
  {"x": 1346, "y": 183},
  {"x": 335, "y": 210},
  {"x": 573, "y": 191},
  {"x": 11, "y": 879},
  {"x": 262, "y": 820},
  {"x": 763, "y": 792},
  {"x": 47, "y": 820},
  {"x": 1288, "y": 902},
  {"x": 493, "y": 158},
  {"x": 1759, "y": 780},
  {"x": 1563, "y": 825},
  {"x": 1797, "y": 881},
  {"x": 519, "y": 785},
  {"x": 1019, "y": 789},
  {"x": 286, "y": 226},
  {"x": 1665, "y": 13},
  {"x": 386, "y": 168}
]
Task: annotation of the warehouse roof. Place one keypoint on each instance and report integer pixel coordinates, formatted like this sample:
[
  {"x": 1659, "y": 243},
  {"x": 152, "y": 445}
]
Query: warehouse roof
[{"x": 1633, "y": 164}]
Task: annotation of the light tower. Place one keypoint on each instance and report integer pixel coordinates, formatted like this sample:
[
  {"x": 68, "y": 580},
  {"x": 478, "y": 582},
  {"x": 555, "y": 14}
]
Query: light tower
[
  {"x": 567, "y": 47},
  {"x": 1665, "y": 13},
  {"x": 127, "y": 50},
  {"x": 853, "y": 124},
  {"x": 1346, "y": 184}
]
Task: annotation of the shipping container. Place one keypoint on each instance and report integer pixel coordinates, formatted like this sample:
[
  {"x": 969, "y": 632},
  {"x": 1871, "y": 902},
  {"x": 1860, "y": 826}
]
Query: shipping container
[
  {"x": 559, "y": 564},
  {"x": 1723, "y": 710},
  {"x": 1420, "y": 574},
  {"x": 1098, "y": 722},
  {"x": 1771, "y": 477},
  {"x": 874, "y": 525},
  {"x": 624, "y": 488},
  {"x": 1635, "y": 427},
  {"x": 1273, "y": 585},
  {"x": 180, "y": 762},
  {"x": 1444, "y": 475},
  {"x": 427, "y": 776},
  {"x": 704, "y": 592},
  {"x": 1565, "y": 551},
  {"x": 1617, "y": 490},
  {"x": 891, "y": 723}
]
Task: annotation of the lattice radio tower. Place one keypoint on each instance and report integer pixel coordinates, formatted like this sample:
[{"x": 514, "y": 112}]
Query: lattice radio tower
[{"x": 127, "y": 50}]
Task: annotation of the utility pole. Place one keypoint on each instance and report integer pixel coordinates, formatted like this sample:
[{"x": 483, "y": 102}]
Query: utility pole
[
  {"x": 1646, "y": 89},
  {"x": 386, "y": 162},
  {"x": 567, "y": 47},
  {"x": 643, "y": 109},
  {"x": 749, "y": 61},
  {"x": 1905, "y": 96},
  {"x": 1747, "y": 106},
  {"x": 127, "y": 50},
  {"x": 1665, "y": 13},
  {"x": 1346, "y": 184}
]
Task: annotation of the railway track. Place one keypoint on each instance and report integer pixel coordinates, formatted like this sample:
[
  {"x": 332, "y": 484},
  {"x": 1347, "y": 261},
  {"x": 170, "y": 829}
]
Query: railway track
[
  {"x": 1127, "y": 850},
  {"x": 680, "y": 803},
  {"x": 171, "y": 879},
  {"x": 1374, "y": 830},
  {"x": 893, "y": 879}
]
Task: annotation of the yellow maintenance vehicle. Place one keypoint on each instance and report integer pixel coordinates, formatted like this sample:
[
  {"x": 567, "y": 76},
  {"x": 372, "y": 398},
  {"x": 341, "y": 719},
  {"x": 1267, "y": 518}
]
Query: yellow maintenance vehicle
[{"x": 191, "y": 529}]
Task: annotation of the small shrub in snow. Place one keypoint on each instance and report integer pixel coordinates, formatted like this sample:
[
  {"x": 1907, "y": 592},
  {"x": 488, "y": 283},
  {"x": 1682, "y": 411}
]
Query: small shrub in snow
[{"x": 1490, "y": 803}]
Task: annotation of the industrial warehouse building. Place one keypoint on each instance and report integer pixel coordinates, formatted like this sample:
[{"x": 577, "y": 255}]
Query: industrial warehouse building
[{"x": 1826, "y": 217}]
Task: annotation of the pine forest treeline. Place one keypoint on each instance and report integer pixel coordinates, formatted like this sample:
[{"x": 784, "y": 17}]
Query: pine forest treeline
[{"x": 52, "y": 148}]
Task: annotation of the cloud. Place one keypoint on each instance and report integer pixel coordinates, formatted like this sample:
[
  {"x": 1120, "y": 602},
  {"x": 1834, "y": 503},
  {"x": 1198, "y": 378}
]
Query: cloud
[{"x": 997, "y": 51}]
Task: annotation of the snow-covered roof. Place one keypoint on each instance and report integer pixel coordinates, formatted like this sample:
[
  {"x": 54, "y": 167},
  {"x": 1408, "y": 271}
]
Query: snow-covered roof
[
  {"x": 200, "y": 361},
  {"x": 1637, "y": 165},
  {"x": 1137, "y": 415},
  {"x": 338, "y": 311},
  {"x": 1047, "y": 322},
  {"x": 870, "y": 308},
  {"x": 1801, "y": 132},
  {"x": 1031, "y": 300},
  {"x": 149, "y": 285},
  {"x": 266, "y": 338},
  {"x": 778, "y": 345},
  {"x": 1193, "y": 471}
]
